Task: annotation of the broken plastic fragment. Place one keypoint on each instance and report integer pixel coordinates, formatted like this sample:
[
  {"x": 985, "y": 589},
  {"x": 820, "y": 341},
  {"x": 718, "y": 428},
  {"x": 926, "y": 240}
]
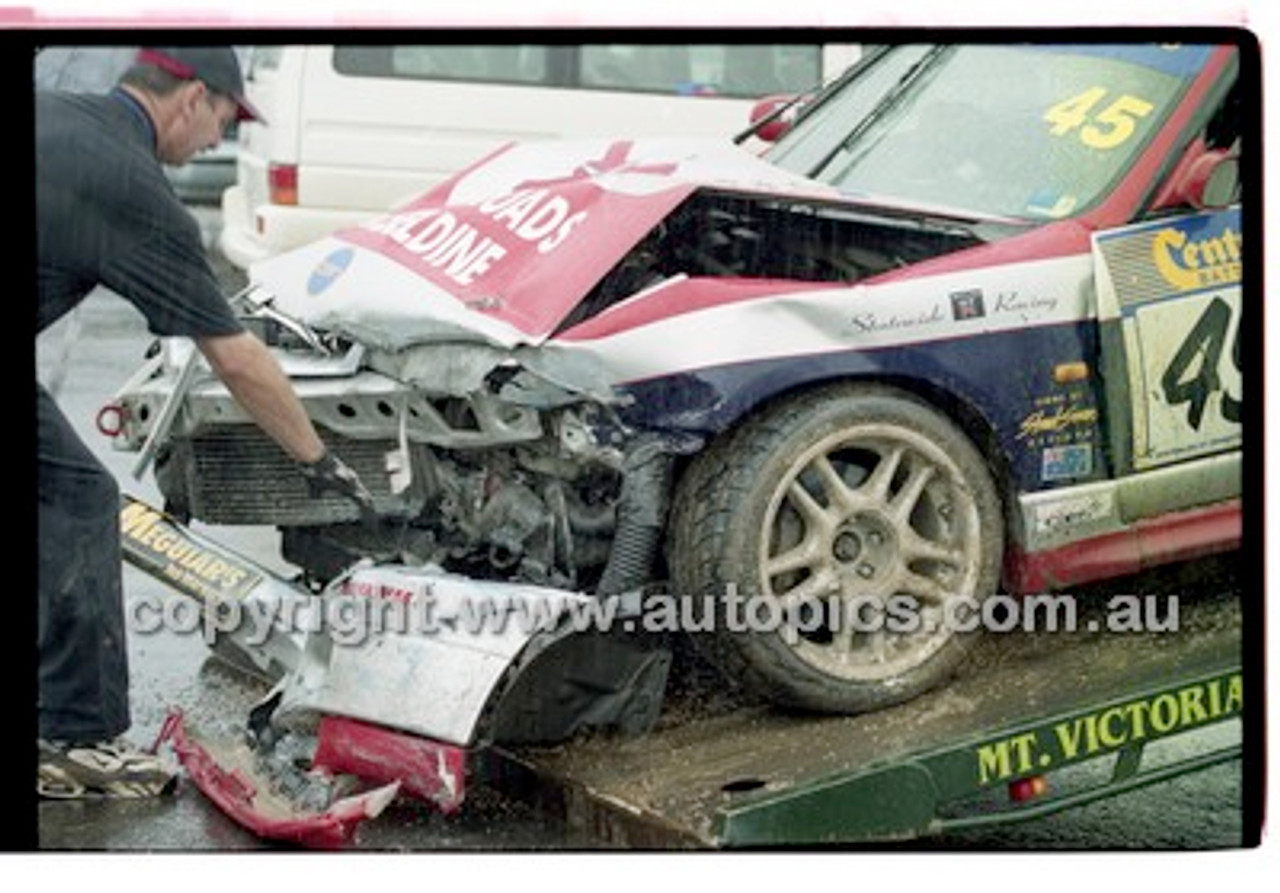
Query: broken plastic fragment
[{"x": 224, "y": 772}]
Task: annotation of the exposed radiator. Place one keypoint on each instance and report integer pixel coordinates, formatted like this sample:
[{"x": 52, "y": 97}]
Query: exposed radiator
[{"x": 237, "y": 475}]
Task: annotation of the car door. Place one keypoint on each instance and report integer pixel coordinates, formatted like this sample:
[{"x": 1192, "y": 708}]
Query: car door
[{"x": 1171, "y": 309}]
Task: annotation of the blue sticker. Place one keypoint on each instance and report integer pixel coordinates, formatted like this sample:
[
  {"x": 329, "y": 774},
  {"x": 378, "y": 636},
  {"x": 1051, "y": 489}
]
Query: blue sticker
[
  {"x": 329, "y": 270},
  {"x": 1064, "y": 462},
  {"x": 1048, "y": 202}
]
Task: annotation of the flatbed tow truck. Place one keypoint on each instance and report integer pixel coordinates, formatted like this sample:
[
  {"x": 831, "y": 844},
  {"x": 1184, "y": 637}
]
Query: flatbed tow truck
[
  {"x": 995, "y": 745},
  {"x": 987, "y": 749}
]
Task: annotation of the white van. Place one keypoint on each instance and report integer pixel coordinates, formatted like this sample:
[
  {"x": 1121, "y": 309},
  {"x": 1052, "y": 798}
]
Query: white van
[{"x": 355, "y": 130}]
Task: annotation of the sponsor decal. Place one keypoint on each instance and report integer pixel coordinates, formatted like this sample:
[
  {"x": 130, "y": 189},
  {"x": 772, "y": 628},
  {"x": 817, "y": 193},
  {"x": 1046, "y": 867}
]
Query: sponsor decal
[
  {"x": 1108, "y": 729},
  {"x": 1066, "y": 462},
  {"x": 871, "y": 323},
  {"x": 967, "y": 305},
  {"x": 464, "y": 242},
  {"x": 329, "y": 269},
  {"x": 615, "y": 160},
  {"x": 525, "y": 249},
  {"x": 1189, "y": 264},
  {"x": 440, "y": 240},
  {"x": 1074, "y": 511},
  {"x": 1176, "y": 286},
  {"x": 391, "y": 587},
  {"x": 1055, "y": 420},
  {"x": 164, "y": 548},
  {"x": 1157, "y": 261},
  {"x": 1027, "y": 306}
]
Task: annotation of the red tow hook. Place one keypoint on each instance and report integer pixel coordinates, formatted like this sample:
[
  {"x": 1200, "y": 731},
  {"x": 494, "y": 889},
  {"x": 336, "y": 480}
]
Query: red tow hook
[{"x": 111, "y": 419}]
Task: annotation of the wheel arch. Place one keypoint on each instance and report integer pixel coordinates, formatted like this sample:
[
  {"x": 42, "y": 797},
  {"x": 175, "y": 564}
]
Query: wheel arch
[{"x": 949, "y": 402}]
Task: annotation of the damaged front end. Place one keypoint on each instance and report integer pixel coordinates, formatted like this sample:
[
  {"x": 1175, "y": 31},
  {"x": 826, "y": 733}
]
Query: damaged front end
[
  {"x": 477, "y": 461},
  {"x": 471, "y": 358}
]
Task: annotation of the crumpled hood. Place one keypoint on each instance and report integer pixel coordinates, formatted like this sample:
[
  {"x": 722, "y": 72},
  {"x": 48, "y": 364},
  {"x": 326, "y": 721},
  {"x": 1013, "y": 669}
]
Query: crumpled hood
[{"x": 507, "y": 248}]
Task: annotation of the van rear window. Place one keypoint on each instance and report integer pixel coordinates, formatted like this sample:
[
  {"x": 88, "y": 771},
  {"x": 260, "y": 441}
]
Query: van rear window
[
  {"x": 739, "y": 70},
  {"x": 733, "y": 70},
  {"x": 511, "y": 64}
]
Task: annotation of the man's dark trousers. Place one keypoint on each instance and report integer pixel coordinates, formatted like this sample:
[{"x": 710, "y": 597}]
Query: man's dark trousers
[{"x": 83, "y": 667}]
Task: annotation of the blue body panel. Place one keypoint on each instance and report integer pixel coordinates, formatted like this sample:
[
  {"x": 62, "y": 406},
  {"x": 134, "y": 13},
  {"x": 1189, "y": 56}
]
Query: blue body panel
[{"x": 1050, "y": 434}]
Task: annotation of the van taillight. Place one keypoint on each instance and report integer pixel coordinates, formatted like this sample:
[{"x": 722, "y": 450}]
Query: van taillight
[{"x": 282, "y": 179}]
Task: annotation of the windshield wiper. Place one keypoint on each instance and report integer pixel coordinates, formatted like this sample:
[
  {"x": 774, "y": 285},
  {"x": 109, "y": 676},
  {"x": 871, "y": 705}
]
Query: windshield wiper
[
  {"x": 864, "y": 62},
  {"x": 888, "y": 101}
]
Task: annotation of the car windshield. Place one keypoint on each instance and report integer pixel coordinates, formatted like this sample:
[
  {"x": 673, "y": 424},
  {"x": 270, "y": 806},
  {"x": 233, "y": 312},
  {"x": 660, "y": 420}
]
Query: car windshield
[{"x": 1018, "y": 131}]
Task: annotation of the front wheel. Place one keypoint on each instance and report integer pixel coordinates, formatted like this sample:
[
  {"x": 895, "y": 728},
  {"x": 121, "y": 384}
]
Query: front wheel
[{"x": 842, "y": 535}]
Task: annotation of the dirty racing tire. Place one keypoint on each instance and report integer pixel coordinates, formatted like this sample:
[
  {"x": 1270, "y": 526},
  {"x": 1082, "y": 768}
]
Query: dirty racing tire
[{"x": 838, "y": 534}]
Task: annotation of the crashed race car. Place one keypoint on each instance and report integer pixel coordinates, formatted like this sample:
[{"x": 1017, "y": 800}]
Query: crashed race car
[{"x": 969, "y": 326}]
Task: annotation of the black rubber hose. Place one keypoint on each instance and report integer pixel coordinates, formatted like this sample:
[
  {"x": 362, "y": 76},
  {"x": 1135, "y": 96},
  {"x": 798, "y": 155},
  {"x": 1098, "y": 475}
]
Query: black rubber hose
[{"x": 641, "y": 516}]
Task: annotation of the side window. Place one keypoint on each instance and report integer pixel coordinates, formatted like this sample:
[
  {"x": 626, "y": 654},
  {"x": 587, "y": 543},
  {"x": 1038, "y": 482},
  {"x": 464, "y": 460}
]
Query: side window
[
  {"x": 1225, "y": 128},
  {"x": 740, "y": 71},
  {"x": 1222, "y": 132},
  {"x": 506, "y": 64},
  {"x": 649, "y": 69}
]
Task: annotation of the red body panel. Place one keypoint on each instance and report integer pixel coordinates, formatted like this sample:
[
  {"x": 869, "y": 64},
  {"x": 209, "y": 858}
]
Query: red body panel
[
  {"x": 1180, "y": 536},
  {"x": 430, "y": 770}
]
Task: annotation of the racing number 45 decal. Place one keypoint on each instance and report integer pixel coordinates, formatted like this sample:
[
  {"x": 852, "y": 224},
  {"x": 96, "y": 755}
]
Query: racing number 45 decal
[
  {"x": 1099, "y": 128},
  {"x": 1188, "y": 381},
  {"x": 1190, "y": 363}
]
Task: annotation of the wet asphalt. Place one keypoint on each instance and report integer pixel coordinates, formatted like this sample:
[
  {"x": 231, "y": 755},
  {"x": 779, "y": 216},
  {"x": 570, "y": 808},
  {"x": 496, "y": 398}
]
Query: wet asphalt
[{"x": 90, "y": 355}]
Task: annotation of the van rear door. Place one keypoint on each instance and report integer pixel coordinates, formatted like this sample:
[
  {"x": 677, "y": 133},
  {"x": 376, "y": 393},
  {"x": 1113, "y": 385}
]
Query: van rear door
[{"x": 268, "y": 149}]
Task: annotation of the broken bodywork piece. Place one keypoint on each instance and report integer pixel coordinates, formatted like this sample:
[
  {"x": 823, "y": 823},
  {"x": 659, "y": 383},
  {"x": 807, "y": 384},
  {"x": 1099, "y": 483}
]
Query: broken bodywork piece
[
  {"x": 227, "y": 773},
  {"x": 397, "y": 675}
]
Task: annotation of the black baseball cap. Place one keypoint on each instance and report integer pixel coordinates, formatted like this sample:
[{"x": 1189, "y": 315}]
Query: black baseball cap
[{"x": 217, "y": 67}]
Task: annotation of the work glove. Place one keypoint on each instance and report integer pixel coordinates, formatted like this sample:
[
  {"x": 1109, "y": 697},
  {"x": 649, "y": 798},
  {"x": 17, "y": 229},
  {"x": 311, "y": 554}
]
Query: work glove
[{"x": 331, "y": 473}]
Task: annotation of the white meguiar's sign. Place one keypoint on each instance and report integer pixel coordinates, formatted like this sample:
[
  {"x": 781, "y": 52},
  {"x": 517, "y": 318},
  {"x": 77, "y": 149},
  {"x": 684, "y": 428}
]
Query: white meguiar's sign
[{"x": 1175, "y": 284}]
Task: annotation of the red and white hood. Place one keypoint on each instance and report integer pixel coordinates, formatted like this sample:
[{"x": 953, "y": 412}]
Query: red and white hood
[{"x": 507, "y": 248}]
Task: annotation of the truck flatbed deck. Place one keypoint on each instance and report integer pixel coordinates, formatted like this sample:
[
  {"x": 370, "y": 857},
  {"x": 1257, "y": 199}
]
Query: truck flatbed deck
[{"x": 720, "y": 774}]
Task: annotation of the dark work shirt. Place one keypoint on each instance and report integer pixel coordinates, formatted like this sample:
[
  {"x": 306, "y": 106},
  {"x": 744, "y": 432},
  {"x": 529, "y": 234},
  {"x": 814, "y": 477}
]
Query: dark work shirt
[{"x": 106, "y": 214}]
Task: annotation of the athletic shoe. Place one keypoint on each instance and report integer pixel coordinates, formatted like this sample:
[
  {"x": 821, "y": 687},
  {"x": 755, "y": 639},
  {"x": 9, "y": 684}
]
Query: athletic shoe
[{"x": 71, "y": 771}]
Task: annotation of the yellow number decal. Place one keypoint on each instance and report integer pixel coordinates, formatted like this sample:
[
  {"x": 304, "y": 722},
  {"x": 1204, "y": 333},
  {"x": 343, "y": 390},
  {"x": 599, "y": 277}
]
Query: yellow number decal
[
  {"x": 1067, "y": 116},
  {"x": 1105, "y": 129}
]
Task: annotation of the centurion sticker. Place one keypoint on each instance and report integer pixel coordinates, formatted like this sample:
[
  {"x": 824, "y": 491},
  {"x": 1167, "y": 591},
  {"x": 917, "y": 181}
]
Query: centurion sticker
[
  {"x": 1108, "y": 729},
  {"x": 155, "y": 543}
]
